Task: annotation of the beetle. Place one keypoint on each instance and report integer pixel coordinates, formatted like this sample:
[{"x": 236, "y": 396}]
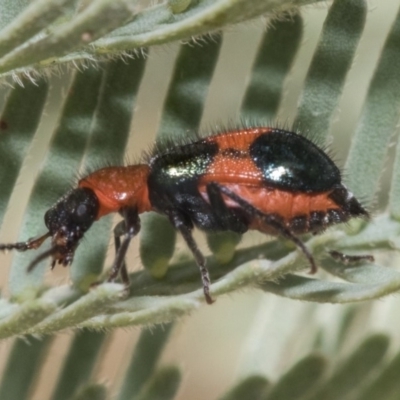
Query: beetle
[{"x": 256, "y": 178}]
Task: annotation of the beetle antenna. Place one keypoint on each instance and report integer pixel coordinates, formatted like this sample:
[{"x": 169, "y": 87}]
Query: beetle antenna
[
  {"x": 40, "y": 257},
  {"x": 34, "y": 243}
]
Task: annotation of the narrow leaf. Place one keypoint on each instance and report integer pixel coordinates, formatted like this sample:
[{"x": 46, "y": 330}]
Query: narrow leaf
[
  {"x": 252, "y": 388},
  {"x": 157, "y": 243},
  {"x": 144, "y": 360},
  {"x": 22, "y": 367},
  {"x": 179, "y": 6},
  {"x": 223, "y": 245},
  {"x": 205, "y": 16},
  {"x": 155, "y": 25},
  {"x": 10, "y": 10},
  {"x": 184, "y": 104},
  {"x": 163, "y": 385},
  {"x": 25, "y": 316},
  {"x": 355, "y": 370},
  {"x": 274, "y": 59},
  {"x": 303, "y": 288},
  {"x": 38, "y": 15},
  {"x": 79, "y": 363},
  {"x": 301, "y": 379},
  {"x": 382, "y": 232},
  {"x": 346, "y": 323},
  {"x": 149, "y": 311},
  {"x": 385, "y": 385},
  {"x": 97, "y": 19},
  {"x": 18, "y": 124},
  {"x": 91, "y": 392},
  {"x": 93, "y": 303},
  {"x": 330, "y": 64},
  {"x": 378, "y": 120}
]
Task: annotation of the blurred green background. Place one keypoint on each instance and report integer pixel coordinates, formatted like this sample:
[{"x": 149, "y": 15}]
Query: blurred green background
[{"x": 248, "y": 331}]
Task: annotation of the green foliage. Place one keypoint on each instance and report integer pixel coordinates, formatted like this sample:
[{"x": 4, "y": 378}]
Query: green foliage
[
  {"x": 252, "y": 388},
  {"x": 143, "y": 363},
  {"x": 93, "y": 126},
  {"x": 22, "y": 367},
  {"x": 79, "y": 364},
  {"x": 45, "y": 34}
]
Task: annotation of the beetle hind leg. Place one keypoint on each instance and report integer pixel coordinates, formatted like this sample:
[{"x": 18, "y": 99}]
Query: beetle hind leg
[
  {"x": 228, "y": 218},
  {"x": 269, "y": 220}
]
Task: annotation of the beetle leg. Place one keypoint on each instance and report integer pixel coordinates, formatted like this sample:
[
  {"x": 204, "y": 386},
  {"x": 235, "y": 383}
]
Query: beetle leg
[
  {"x": 186, "y": 231},
  {"x": 129, "y": 227},
  {"x": 271, "y": 221},
  {"x": 228, "y": 218}
]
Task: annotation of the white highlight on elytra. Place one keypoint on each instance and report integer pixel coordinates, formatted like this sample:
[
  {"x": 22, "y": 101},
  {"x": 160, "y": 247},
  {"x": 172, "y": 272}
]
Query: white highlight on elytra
[{"x": 277, "y": 173}]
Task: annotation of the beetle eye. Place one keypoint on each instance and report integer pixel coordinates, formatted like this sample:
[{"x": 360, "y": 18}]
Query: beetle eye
[
  {"x": 81, "y": 210},
  {"x": 77, "y": 208}
]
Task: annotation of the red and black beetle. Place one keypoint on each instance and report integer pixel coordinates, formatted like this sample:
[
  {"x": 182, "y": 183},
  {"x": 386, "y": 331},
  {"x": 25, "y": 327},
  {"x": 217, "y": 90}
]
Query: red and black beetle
[{"x": 271, "y": 180}]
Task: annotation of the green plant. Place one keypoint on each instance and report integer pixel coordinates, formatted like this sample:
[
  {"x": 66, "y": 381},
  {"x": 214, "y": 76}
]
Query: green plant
[{"x": 94, "y": 124}]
